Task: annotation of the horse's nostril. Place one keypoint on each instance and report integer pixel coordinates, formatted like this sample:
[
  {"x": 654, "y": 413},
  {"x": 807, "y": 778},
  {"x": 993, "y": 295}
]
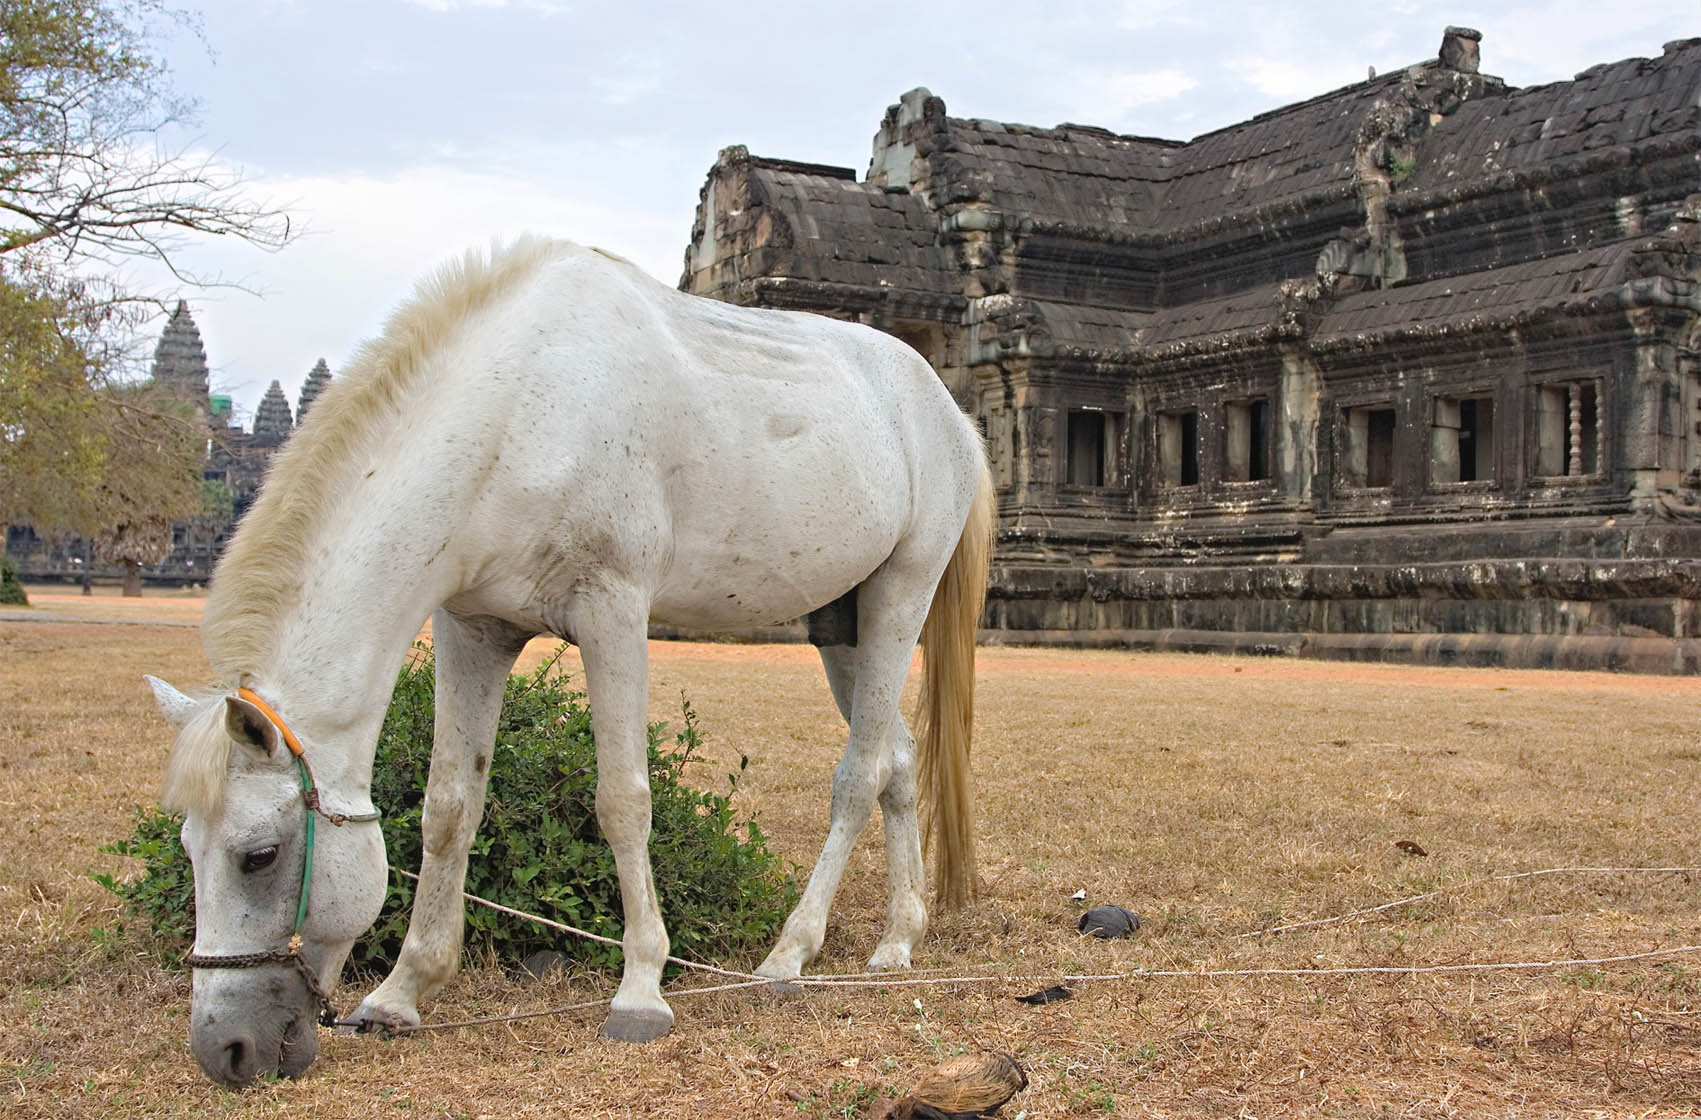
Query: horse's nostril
[{"x": 239, "y": 1062}]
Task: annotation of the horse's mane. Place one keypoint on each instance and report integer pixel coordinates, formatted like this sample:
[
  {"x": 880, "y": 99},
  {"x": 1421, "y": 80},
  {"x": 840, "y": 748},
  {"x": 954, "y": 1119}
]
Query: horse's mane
[
  {"x": 194, "y": 774},
  {"x": 263, "y": 570}
]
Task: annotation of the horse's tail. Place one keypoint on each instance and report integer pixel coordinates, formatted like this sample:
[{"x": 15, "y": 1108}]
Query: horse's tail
[{"x": 946, "y": 715}]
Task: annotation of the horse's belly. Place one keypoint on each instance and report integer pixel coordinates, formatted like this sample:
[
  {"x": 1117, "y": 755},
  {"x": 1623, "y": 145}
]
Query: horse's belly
[
  {"x": 746, "y": 594},
  {"x": 777, "y": 546},
  {"x": 766, "y": 581}
]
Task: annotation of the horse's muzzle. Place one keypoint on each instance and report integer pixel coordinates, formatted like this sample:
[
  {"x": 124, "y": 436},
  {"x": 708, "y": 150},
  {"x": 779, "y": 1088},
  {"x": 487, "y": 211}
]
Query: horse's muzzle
[{"x": 242, "y": 1032}]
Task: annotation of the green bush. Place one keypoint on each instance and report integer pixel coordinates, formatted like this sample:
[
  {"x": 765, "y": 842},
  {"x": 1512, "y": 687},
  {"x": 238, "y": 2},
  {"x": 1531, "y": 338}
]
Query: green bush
[
  {"x": 538, "y": 849},
  {"x": 11, "y": 590}
]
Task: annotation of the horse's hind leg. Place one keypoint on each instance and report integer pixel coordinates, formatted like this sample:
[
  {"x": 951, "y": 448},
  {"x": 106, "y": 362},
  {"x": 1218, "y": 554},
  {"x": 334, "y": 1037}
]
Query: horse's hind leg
[
  {"x": 906, "y": 878},
  {"x": 867, "y": 682},
  {"x": 906, "y": 909},
  {"x": 474, "y": 656}
]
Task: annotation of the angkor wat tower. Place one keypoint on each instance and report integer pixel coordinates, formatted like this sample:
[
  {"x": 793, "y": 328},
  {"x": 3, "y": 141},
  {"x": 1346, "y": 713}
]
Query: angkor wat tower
[{"x": 180, "y": 360}]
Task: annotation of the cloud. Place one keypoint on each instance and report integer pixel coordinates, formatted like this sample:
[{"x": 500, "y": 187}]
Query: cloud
[
  {"x": 1528, "y": 45},
  {"x": 454, "y": 5},
  {"x": 369, "y": 240},
  {"x": 633, "y": 80},
  {"x": 539, "y": 7},
  {"x": 1287, "y": 80},
  {"x": 1116, "y": 96},
  {"x": 1144, "y": 15}
]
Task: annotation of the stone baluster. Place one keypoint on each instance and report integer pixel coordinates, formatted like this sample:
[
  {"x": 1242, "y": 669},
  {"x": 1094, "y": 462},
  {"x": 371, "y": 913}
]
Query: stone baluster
[{"x": 1574, "y": 464}]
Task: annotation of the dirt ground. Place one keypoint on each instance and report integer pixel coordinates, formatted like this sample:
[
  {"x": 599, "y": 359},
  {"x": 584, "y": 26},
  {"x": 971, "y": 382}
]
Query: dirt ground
[{"x": 1214, "y": 796}]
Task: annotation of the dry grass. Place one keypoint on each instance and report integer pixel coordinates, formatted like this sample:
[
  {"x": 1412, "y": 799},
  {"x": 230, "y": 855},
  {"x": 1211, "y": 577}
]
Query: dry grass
[{"x": 1212, "y": 796}]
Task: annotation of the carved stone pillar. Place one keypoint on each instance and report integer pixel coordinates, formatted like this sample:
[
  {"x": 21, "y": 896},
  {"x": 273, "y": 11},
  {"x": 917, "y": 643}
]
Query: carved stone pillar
[{"x": 1297, "y": 424}]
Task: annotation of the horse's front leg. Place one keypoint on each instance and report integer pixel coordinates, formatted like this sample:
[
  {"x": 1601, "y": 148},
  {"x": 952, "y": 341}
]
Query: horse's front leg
[
  {"x": 611, "y": 633},
  {"x": 474, "y": 657}
]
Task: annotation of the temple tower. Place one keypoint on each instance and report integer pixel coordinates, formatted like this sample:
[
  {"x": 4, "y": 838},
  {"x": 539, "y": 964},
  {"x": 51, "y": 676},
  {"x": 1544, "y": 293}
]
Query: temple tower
[
  {"x": 180, "y": 360},
  {"x": 317, "y": 379},
  {"x": 272, "y": 421}
]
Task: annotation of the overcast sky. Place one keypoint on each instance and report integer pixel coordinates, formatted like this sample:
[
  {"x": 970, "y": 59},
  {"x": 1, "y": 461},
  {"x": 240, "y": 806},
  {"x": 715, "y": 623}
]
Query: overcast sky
[{"x": 401, "y": 132}]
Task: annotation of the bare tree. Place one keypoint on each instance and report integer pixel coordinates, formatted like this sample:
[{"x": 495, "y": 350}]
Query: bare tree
[
  {"x": 83, "y": 108},
  {"x": 86, "y": 181}
]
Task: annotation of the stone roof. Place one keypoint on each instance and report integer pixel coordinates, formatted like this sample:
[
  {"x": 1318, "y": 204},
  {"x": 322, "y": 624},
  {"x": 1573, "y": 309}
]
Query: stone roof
[
  {"x": 1099, "y": 332},
  {"x": 846, "y": 232},
  {"x": 1073, "y": 175},
  {"x": 1300, "y": 152},
  {"x": 1571, "y": 283},
  {"x": 1413, "y": 199},
  {"x": 1637, "y": 103},
  {"x": 1086, "y": 179}
]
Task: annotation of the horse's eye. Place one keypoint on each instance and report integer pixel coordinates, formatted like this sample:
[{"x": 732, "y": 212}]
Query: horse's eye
[{"x": 259, "y": 858}]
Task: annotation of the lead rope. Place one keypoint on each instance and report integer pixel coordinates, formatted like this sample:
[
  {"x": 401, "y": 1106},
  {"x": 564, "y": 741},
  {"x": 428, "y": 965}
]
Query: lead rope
[
  {"x": 985, "y": 974},
  {"x": 291, "y": 954}
]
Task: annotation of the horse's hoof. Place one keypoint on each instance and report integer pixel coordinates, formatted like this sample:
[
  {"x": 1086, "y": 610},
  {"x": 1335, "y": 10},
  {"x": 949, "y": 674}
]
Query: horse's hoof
[
  {"x": 378, "y": 1021},
  {"x": 784, "y": 969},
  {"x": 782, "y": 979},
  {"x": 890, "y": 958},
  {"x": 637, "y": 1026}
]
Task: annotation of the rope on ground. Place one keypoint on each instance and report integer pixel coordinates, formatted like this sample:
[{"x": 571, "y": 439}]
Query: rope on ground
[
  {"x": 589, "y": 1005},
  {"x": 985, "y": 975},
  {"x": 1460, "y": 887},
  {"x": 1223, "y": 973},
  {"x": 584, "y": 933}
]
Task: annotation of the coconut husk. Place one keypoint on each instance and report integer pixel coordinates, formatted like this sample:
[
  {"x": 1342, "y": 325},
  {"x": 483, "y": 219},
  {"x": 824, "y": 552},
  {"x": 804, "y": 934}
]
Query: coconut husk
[{"x": 964, "y": 1088}]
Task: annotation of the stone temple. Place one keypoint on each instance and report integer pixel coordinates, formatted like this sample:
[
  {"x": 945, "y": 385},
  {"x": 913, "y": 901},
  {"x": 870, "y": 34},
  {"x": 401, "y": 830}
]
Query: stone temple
[
  {"x": 1411, "y": 370},
  {"x": 236, "y": 458}
]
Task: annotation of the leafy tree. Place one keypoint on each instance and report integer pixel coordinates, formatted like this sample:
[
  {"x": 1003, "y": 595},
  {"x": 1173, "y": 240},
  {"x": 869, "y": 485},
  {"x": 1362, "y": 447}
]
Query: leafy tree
[
  {"x": 114, "y": 462},
  {"x": 53, "y": 448},
  {"x": 86, "y": 182},
  {"x": 146, "y": 488},
  {"x": 11, "y": 589}
]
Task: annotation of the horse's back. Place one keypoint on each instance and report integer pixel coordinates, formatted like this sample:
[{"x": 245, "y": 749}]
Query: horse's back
[{"x": 749, "y": 465}]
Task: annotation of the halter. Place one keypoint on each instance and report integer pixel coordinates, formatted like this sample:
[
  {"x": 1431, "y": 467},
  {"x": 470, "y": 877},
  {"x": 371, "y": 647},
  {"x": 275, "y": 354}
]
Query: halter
[{"x": 310, "y": 800}]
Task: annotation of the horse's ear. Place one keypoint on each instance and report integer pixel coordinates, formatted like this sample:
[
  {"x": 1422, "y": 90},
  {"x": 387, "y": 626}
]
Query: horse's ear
[
  {"x": 173, "y": 705},
  {"x": 248, "y": 724}
]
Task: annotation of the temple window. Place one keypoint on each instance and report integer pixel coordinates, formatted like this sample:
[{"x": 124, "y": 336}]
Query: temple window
[
  {"x": 1094, "y": 437},
  {"x": 1367, "y": 447},
  {"x": 926, "y": 339},
  {"x": 1461, "y": 440},
  {"x": 1568, "y": 429},
  {"x": 1246, "y": 441},
  {"x": 1178, "y": 448}
]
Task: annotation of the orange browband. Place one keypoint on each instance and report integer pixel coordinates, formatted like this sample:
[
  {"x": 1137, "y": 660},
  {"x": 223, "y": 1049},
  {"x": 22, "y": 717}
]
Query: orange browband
[{"x": 270, "y": 713}]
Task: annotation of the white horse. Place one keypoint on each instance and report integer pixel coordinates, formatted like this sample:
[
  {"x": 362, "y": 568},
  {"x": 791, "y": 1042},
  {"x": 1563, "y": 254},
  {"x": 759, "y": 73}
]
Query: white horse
[{"x": 547, "y": 441}]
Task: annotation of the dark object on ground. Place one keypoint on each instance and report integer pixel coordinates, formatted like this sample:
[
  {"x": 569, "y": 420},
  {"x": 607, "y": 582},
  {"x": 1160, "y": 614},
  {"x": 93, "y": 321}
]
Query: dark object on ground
[
  {"x": 1049, "y": 995},
  {"x": 1108, "y": 922},
  {"x": 964, "y": 1088},
  {"x": 1410, "y": 847},
  {"x": 541, "y": 963}
]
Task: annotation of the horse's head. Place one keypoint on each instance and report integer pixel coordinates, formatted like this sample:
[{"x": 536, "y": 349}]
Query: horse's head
[{"x": 284, "y": 883}]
